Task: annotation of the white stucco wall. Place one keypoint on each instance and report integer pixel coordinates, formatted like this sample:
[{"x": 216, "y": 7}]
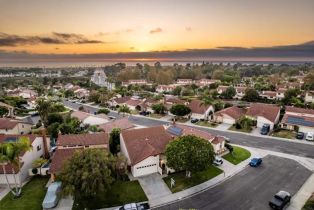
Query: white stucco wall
[
  {"x": 261, "y": 121},
  {"x": 21, "y": 128}
]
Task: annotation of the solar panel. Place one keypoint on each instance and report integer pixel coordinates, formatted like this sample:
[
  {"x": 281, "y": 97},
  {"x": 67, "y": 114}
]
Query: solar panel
[
  {"x": 10, "y": 139},
  {"x": 299, "y": 121},
  {"x": 175, "y": 130}
]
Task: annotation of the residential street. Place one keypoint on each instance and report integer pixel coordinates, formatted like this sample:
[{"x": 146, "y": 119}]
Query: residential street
[
  {"x": 269, "y": 143},
  {"x": 250, "y": 189}
]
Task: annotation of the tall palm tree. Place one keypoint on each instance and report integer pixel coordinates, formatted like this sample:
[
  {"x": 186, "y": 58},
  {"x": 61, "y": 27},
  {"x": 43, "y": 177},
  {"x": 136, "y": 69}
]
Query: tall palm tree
[
  {"x": 43, "y": 108},
  {"x": 10, "y": 154}
]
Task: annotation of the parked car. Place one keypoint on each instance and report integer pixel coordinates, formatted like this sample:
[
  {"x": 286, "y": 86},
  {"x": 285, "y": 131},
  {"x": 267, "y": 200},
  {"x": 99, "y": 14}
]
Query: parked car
[
  {"x": 52, "y": 196},
  {"x": 265, "y": 129},
  {"x": 111, "y": 117},
  {"x": 300, "y": 135},
  {"x": 280, "y": 200},
  {"x": 194, "y": 120},
  {"x": 255, "y": 162},
  {"x": 144, "y": 113},
  {"x": 218, "y": 161},
  {"x": 135, "y": 206},
  {"x": 309, "y": 136}
]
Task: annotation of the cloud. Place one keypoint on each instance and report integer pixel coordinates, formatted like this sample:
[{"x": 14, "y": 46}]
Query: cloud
[
  {"x": 188, "y": 28},
  {"x": 156, "y": 30},
  {"x": 129, "y": 30},
  {"x": 54, "y": 38},
  {"x": 298, "y": 52}
]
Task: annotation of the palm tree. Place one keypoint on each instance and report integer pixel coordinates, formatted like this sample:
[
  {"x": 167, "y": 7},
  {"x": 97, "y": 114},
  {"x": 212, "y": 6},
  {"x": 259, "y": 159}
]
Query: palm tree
[
  {"x": 43, "y": 107},
  {"x": 124, "y": 109},
  {"x": 10, "y": 154}
]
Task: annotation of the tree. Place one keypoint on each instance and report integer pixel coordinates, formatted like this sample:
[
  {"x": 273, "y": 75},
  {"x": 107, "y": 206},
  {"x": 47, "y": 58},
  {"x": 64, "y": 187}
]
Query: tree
[
  {"x": 3, "y": 111},
  {"x": 124, "y": 109},
  {"x": 177, "y": 91},
  {"x": 103, "y": 111},
  {"x": 189, "y": 153},
  {"x": 309, "y": 81},
  {"x": 10, "y": 154},
  {"x": 244, "y": 123},
  {"x": 71, "y": 125},
  {"x": 53, "y": 130},
  {"x": 159, "y": 108},
  {"x": 54, "y": 118},
  {"x": 68, "y": 93},
  {"x": 114, "y": 141},
  {"x": 251, "y": 95},
  {"x": 180, "y": 110},
  {"x": 229, "y": 93},
  {"x": 86, "y": 173},
  {"x": 43, "y": 108},
  {"x": 290, "y": 96}
]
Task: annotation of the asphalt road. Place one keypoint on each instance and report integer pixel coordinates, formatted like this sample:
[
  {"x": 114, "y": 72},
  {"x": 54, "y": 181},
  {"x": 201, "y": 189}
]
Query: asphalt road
[
  {"x": 251, "y": 189},
  {"x": 269, "y": 143}
]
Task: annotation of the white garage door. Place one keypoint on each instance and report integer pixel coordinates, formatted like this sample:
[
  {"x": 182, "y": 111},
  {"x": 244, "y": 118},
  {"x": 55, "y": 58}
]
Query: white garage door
[
  {"x": 144, "y": 170},
  {"x": 228, "y": 121},
  {"x": 306, "y": 129}
]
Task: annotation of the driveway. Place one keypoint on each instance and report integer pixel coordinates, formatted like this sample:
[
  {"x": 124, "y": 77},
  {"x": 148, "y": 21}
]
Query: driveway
[
  {"x": 251, "y": 189},
  {"x": 154, "y": 186},
  {"x": 65, "y": 204},
  {"x": 223, "y": 126},
  {"x": 256, "y": 131}
]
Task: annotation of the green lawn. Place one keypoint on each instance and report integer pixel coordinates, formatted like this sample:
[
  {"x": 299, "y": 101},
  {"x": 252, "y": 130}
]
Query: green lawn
[
  {"x": 233, "y": 128},
  {"x": 238, "y": 155},
  {"x": 121, "y": 192},
  {"x": 182, "y": 183},
  {"x": 33, "y": 194},
  {"x": 309, "y": 205},
  {"x": 284, "y": 134},
  {"x": 207, "y": 124}
]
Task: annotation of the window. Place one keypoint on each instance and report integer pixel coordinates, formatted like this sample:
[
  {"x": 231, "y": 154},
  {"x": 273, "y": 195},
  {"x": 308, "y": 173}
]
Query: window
[
  {"x": 38, "y": 147},
  {"x": 146, "y": 166}
]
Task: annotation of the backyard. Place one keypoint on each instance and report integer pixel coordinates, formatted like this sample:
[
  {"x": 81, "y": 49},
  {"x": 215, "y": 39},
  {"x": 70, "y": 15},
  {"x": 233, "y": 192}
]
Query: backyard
[
  {"x": 121, "y": 192},
  {"x": 238, "y": 155},
  {"x": 182, "y": 182},
  {"x": 33, "y": 194}
]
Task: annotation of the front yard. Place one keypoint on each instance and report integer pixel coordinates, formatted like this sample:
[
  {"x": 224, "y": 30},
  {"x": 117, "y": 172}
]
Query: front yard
[
  {"x": 156, "y": 116},
  {"x": 233, "y": 128},
  {"x": 207, "y": 124},
  {"x": 182, "y": 182},
  {"x": 33, "y": 194},
  {"x": 121, "y": 192},
  {"x": 238, "y": 155},
  {"x": 284, "y": 134},
  {"x": 309, "y": 205}
]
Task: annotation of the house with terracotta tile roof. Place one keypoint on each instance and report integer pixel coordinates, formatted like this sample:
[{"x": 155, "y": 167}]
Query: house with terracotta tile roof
[
  {"x": 144, "y": 149},
  {"x": 164, "y": 88},
  {"x": 122, "y": 124},
  {"x": 229, "y": 115},
  {"x": 134, "y": 103},
  {"x": 298, "y": 119},
  {"x": 13, "y": 126},
  {"x": 264, "y": 114},
  {"x": 280, "y": 93},
  {"x": 217, "y": 142},
  {"x": 90, "y": 119},
  {"x": 270, "y": 95},
  {"x": 182, "y": 82},
  {"x": 199, "y": 110},
  {"x": 39, "y": 149},
  {"x": 221, "y": 89},
  {"x": 67, "y": 145},
  {"x": 240, "y": 92}
]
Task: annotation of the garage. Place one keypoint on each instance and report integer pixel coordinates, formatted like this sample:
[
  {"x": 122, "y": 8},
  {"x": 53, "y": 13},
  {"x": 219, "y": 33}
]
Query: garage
[
  {"x": 305, "y": 129},
  {"x": 145, "y": 167},
  {"x": 228, "y": 120}
]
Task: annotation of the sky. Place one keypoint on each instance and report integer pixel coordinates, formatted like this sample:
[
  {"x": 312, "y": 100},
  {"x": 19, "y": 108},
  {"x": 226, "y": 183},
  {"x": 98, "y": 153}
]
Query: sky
[{"x": 133, "y": 27}]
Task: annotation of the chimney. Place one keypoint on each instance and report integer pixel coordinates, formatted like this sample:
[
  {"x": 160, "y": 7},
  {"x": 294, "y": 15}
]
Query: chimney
[{"x": 46, "y": 152}]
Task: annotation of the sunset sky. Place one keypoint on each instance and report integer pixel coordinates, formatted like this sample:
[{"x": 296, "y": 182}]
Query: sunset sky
[{"x": 103, "y": 26}]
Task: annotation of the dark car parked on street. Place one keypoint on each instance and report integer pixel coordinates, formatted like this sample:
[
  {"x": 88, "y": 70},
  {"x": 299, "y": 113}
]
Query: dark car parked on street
[
  {"x": 194, "y": 120},
  {"x": 255, "y": 162},
  {"x": 300, "y": 135},
  {"x": 280, "y": 200}
]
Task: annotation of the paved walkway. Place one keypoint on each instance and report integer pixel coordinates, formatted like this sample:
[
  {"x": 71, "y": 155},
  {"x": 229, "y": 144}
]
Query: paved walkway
[
  {"x": 65, "y": 204},
  {"x": 154, "y": 186}
]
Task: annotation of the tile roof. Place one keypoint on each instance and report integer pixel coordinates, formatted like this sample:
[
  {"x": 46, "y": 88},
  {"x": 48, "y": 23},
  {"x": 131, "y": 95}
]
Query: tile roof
[
  {"x": 7, "y": 123},
  {"x": 267, "y": 111},
  {"x": 299, "y": 110},
  {"x": 9, "y": 169},
  {"x": 83, "y": 139},
  {"x": 122, "y": 124},
  {"x": 198, "y": 107},
  {"x": 187, "y": 130},
  {"x": 80, "y": 115},
  {"x": 234, "y": 112},
  {"x": 270, "y": 93},
  {"x": 122, "y": 99},
  {"x": 60, "y": 157},
  {"x": 145, "y": 142}
]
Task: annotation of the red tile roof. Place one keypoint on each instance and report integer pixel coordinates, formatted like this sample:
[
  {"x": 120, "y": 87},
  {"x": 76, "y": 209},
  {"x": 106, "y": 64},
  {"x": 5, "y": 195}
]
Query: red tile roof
[
  {"x": 122, "y": 99},
  {"x": 7, "y": 123},
  {"x": 80, "y": 115},
  {"x": 83, "y": 139},
  {"x": 122, "y": 124},
  {"x": 267, "y": 111},
  {"x": 145, "y": 142},
  {"x": 187, "y": 130},
  {"x": 60, "y": 157},
  {"x": 299, "y": 110},
  {"x": 198, "y": 107},
  {"x": 234, "y": 112}
]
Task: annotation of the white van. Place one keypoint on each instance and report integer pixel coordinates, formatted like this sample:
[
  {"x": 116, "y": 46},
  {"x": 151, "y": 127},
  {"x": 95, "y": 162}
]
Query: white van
[{"x": 309, "y": 136}]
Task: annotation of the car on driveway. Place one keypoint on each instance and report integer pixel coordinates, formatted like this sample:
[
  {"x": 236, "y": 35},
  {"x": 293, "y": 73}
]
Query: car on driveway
[
  {"x": 265, "y": 129},
  {"x": 300, "y": 135},
  {"x": 194, "y": 120},
  {"x": 218, "y": 161},
  {"x": 52, "y": 196},
  {"x": 255, "y": 162},
  {"x": 309, "y": 136},
  {"x": 280, "y": 200}
]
